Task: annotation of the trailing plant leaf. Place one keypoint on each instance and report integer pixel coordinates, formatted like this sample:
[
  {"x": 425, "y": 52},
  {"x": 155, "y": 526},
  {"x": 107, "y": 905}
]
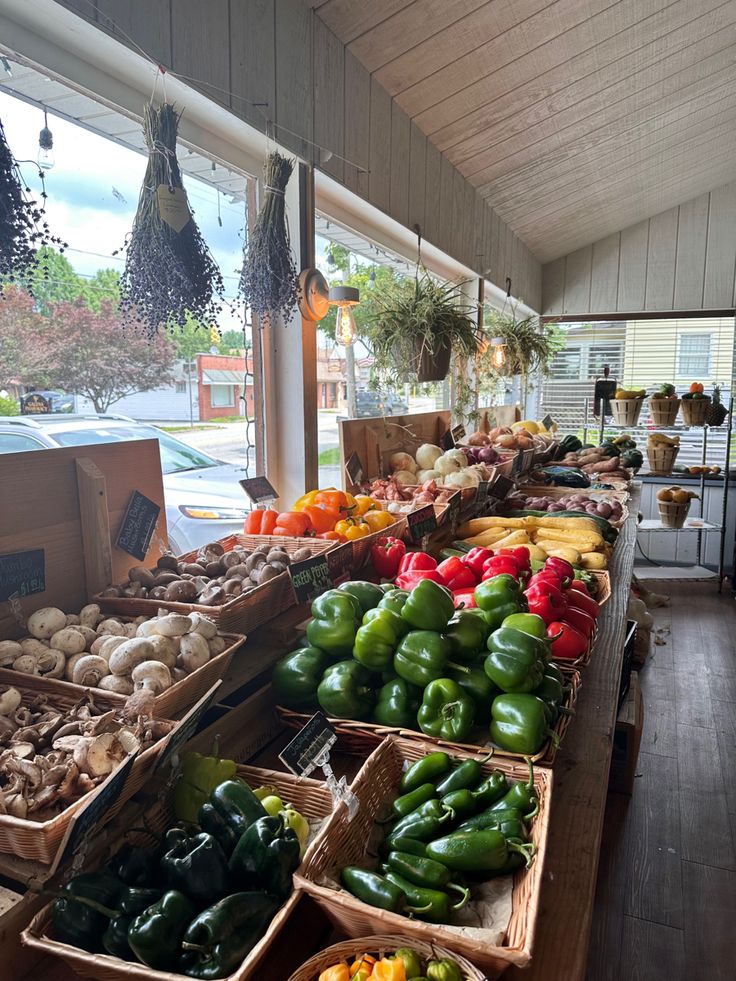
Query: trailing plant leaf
[
  {"x": 23, "y": 225},
  {"x": 168, "y": 272},
  {"x": 530, "y": 347},
  {"x": 269, "y": 283}
]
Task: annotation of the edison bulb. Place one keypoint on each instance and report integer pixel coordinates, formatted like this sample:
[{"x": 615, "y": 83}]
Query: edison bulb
[
  {"x": 346, "y": 330},
  {"x": 499, "y": 355}
]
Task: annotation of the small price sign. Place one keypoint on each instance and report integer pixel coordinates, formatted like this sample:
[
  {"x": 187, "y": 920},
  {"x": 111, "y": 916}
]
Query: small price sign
[
  {"x": 340, "y": 561},
  {"x": 548, "y": 421},
  {"x": 186, "y": 728},
  {"x": 421, "y": 522},
  {"x": 259, "y": 490},
  {"x": 309, "y": 746},
  {"x": 311, "y": 577},
  {"x": 447, "y": 442},
  {"x": 518, "y": 462},
  {"x": 500, "y": 487},
  {"x": 481, "y": 498},
  {"x": 354, "y": 468},
  {"x": 22, "y": 573},
  {"x": 138, "y": 525},
  {"x": 458, "y": 433},
  {"x": 453, "y": 508}
]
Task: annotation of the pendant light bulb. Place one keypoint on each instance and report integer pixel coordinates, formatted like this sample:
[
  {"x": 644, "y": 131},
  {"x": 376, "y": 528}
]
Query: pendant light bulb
[
  {"x": 45, "y": 157},
  {"x": 499, "y": 352},
  {"x": 346, "y": 330}
]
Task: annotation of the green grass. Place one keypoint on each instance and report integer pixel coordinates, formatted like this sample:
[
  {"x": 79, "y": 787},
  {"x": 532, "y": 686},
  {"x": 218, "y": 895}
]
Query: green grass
[{"x": 329, "y": 458}]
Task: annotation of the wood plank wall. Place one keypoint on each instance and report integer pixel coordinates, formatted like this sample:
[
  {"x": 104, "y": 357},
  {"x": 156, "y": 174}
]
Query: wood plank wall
[
  {"x": 279, "y": 52},
  {"x": 681, "y": 259}
]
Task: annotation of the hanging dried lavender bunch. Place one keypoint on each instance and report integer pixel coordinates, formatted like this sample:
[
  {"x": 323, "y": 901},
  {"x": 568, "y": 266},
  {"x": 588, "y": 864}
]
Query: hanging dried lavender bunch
[
  {"x": 269, "y": 283},
  {"x": 169, "y": 271},
  {"x": 23, "y": 226}
]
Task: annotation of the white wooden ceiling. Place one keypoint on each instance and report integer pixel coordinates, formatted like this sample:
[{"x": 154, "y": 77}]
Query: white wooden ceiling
[{"x": 574, "y": 118}]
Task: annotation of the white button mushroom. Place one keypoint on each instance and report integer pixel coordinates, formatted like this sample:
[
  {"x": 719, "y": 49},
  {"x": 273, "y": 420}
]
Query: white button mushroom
[
  {"x": 117, "y": 683},
  {"x": 153, "y": 676},
  {"x": 89, "y": 670},
  {"x": 10, "y": 699},
  {"x": 111, "y": 626},
  {"x": 203, "y": 625},
  {"x": 173, "y": 625},
  {"x": 195, "y": 652},
  {"x": 69, "y": 640},
  {"x": 131, "y": 652},
  {"x": 164, "y": 650},
  {"x": 45, "y": 622},
  {"x": 9, "y": 651},
  {"x": 90, "y": 615}
]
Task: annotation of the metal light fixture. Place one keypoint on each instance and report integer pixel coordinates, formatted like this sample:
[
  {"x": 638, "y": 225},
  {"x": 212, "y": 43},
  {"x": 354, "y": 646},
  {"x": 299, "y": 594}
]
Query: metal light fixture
[
  {"x": 344, "y": 298},
  {"x": 372, "y": 278},
  {"x": 45, "y": 146},
  {"x": 330, "y": 258},
  {"x": 6, "y": 65},
  {"x": 499, "y": 352}
]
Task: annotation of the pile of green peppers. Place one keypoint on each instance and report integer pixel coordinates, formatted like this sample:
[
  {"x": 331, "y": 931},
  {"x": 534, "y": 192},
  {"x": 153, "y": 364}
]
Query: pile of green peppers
[
  {"x": 198, "y": 902},
  {"x": 451, "y": 825},
  {"x": 411, "y": 660}
]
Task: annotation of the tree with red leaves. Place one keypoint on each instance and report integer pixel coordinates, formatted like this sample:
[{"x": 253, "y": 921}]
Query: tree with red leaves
[{"x": 20, "y": 326}]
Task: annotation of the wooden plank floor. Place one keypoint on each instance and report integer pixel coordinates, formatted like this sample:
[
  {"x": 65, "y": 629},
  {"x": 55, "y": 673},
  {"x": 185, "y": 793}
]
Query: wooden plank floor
[{"x": 666, "y": 895}]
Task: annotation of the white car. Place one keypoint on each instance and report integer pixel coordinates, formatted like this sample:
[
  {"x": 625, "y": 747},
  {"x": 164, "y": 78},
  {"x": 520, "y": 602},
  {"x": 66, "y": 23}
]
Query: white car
[{"x": 203, "y": 498}]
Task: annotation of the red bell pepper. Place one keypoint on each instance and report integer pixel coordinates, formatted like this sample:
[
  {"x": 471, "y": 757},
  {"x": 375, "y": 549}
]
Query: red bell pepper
[
  {"x": 546, "y": 575},
  {"x": 546, "y": 600},
  {"x": 562, "y": 567},
  {"x": 475, "y": 560},
  {"x": 408, "y": 580},
  {"x": 521, "y": 555},
  {"x": 569, "y": 644},
  {"x": 417, "y": 560},
  {"x": 386, "y": 556},
  {"x": 260, "y": 522},
  {"x": 579, "y": 619},
  {"x": 456, "y": 574},
  {"x": 501, "y": 565},
  {"x": 464, "y": 599},
  {"x": 580, "y": 585},
  {"x": 584, "y": 601}
]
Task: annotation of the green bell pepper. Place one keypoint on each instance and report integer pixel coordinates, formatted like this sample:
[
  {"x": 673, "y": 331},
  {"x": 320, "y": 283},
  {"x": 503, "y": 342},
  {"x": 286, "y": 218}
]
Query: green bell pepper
[
  {"x": 376, "y": 640},
  {"x": 423, "y": 656},
  {"x": 155, "y": 935},
  {"x": 432, "y": 905},
  {"x": 516, "y": 661},
  {"x": 428, "y": 769},
  {"x": 430, "y": 606},
  {"x": 220, "y": 937},
  {"x": 295, "y": 677},
  {"x": 345, "y": 691},
  {"x": 198, "y": 778},
  {"x": 397, "y": 622},
  {"x": 368, "y": 594},
  {"x": 466, "y": 775},
  {"x": 528, "y": 623},
  {"x": 198, "y": 867},
  {"x": 553, "y": 670},
  {"x": 236, "y": 803},
  {"x": 550, "y": 689},
  {"x": 394, "y": 601},
  {"x": 335, "y": 619},
  {"x": 81, "y": 922},
  {"x": 519, "y": 724},
  {"x": 397, "y": 704},
  {"x": 476, "y": 851},
  {"x": 444, "y": 970},
  {"x": 266, "y": 857},
  {"x": 498, "y": 598},
  {"x": 467, "y": 634},
  {"x": 475, "y": 682},
  {"x": 446, "y": 711}
]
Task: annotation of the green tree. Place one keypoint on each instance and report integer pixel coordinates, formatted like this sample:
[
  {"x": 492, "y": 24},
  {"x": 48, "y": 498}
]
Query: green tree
[
  {"x": 54, "y": 280},
  {"x": 234, "y": 340},
  {"x": 193, "y": 338}
]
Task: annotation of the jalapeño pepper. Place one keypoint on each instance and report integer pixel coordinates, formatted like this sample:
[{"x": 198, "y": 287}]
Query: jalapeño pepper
[
  {"x": 522, "y": 796},
  {"x": 462, "y": 802},
  {"x": 428, "y": 769},
  {"x": 431, "y": 905},
  {"x": 476, "y": 851},
  {"x": 466, "y": 775},
  {"x": 509, "y": 821},
  {"x": 424, "y": 823},
  {"x": 375, "y": 890},
  {"x": 407, "y": 803},
  {"x": 492, "y": 788}
]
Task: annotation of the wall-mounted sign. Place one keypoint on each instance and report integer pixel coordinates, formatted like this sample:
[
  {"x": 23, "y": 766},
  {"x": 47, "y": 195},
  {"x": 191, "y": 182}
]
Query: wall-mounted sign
[{"x": 354, "y": 468}]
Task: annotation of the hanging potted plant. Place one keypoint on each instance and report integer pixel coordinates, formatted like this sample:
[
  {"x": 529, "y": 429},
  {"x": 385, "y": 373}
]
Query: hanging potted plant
[
  {"x": 528, "y": 347},
  {"x": 415, "y": 328}
]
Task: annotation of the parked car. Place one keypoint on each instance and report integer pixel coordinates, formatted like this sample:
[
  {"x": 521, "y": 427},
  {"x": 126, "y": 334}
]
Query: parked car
[
  {"x": 368, "y": 403},
  {"x": 202, "y": 496}
]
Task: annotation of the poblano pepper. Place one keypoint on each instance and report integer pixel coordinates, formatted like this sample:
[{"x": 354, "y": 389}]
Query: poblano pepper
[
  {"x": 346, "y": 691},
  {"x": 82, "y": 922},
  {"x": 215, "y": 824},
  {"x": 429, "y": 606},
  {"x": 266, "y": 857},
  {"x": 397, "y": 704},
  {"x": 115, "y": 938},
  {"x": 368, "y": 594},
  {"x": 219, "y": 938},
  {"x": 197, "y": 866},
  {"x": 446, "y": 711},
  {"x": 377, "y": 639},
  {"x": 296, "y": 677},
  {"x": 198, "y": 778},
  {"x": 498, "y": 598},
  {"x": 423, "y": 656},
  {"x": 334, "y": 623},
  {"x": 516, "y": 661},
  {"x": 135, "y": 866},
  {"x": 236, "y": 803},
  {"x": 519, "y": 724},
  {"x": 155, "y": 935},
  {"x": 135, "y": 899},
  {"x": 467, "y": 634}
]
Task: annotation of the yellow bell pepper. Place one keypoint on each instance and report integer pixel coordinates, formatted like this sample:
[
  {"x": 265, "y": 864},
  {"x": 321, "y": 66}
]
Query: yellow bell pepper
[
  {"x": 386, "y": 970},
  {"x": 378, "y": 520},
  {"x": 305, "y": 500},
  {"x": 339, "y": 972},
  {"x": 363, "y": 503},
  {"x": 352, "y": 528},
  {"x": 363, "y": 965}
]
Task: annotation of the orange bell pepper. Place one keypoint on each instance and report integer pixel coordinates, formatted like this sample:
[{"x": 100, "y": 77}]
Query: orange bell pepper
[
  {"x": 321, "y": 517},
  {"x": 385, "y": 970},
  {"x": 336, "y": 500},
  {"x": 332, "y": 536},
  {"x": 378, "y": 520},
  {"x": 261, "y": 522},
  {"x": 294, "y": 523},
  {"x": 338, "y": 972}
]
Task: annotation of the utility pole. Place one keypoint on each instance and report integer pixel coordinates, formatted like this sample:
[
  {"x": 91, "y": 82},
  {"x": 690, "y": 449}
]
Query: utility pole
[{"x": 349, "y": 360}]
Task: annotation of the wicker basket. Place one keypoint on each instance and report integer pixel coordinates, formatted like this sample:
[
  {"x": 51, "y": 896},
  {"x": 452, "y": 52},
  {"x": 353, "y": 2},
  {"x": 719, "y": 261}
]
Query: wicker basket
[
  {"x": 243, "y": 613},
  {"x": 695, "y": 411},
  {"x": 343, "y": 842},
  {"x": 663, "y": 412},
  {"x": 360, "y": 738},
  {"x": 604, "y": 587},
  {"x": 626, "y": 411},
  {"x": 673, "y": 515},
  {"x": 176, "y": 700},
  {"x": 310, "y": 797},
  {"x": 350, "y": 950},
  {"x": 662, "y": 459},
  {"x": 40, "y": 840}
]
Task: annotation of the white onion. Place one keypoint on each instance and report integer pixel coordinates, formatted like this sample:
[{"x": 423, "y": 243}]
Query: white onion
[
  {"x": 427, "y": 454},
  {"x": 424, "y": 475},
  {"x": 405, "y": 477},
  {"x": 403, "y": 461}
]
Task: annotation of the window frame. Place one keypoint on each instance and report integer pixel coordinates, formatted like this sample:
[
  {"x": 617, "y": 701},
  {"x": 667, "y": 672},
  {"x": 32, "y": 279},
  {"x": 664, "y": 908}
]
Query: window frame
[
  {"x": 222, "y": 405},
  {"x": 694, "y": 373}
]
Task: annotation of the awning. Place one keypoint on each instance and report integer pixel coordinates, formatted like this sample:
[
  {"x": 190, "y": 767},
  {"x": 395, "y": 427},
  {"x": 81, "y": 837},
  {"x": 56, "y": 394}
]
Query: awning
[{"x": 217, "y": 377}]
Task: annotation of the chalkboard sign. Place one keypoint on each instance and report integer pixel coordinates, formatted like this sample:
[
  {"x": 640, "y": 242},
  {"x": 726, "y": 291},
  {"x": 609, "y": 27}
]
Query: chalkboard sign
[
  {"x": 340, "y": 561},
  {"x": 548, "y": 422},
  {"x": 301, "y": 754},
  {"x": 139, "y": 524},
  {"x": 22, "y": 573},
  {"x": 527, "y": 458},
  {"x": 421, "y": 522},
  {"x": 453, "y": 507},
  {"x": 447, "y": 441},
  {"x": 458, "y": 433},
  {"x": 35, "y": 405},
  {"x": 481, "y": 499},
  {"x": 354, "y": 468},
  {"x": 85, "y": 820},
  {"x": 500, "y": 487},
  {"x": 311, "y": 577},
  {"x": 186, "y": 728},
  {"x": 518, "y": 462},
  {"x": 259, "y": 490}
]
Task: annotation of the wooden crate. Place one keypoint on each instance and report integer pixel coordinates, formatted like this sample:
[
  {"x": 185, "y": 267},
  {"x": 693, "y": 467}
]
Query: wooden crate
[{"x": 627, "y": 740}]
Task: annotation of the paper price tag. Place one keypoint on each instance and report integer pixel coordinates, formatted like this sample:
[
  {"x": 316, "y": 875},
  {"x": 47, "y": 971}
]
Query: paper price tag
[
  {"x": 186, "y": 728},
  {"x": 354, "y": 468},
  {"x": 259, "y": 490},
  {"x": 22, "y": 573},
  {"x": 458, "y": 433},
  {"x": 173, "y": 206},
  {"x": 311, "y": 577},
  {"x": 421, "y": 522},
  {"x": 138, "y": 525}
]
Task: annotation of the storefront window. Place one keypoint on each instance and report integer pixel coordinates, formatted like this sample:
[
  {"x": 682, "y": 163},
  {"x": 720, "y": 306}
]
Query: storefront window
[{"x": 222, "y": 396}]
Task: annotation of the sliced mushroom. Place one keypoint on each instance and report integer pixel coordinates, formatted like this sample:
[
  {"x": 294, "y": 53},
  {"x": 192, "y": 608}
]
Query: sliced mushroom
[
  {"x": 16, "y": 805},
  {"x": 66, "y": 787},
  {"x": 22, "y": 750}
]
